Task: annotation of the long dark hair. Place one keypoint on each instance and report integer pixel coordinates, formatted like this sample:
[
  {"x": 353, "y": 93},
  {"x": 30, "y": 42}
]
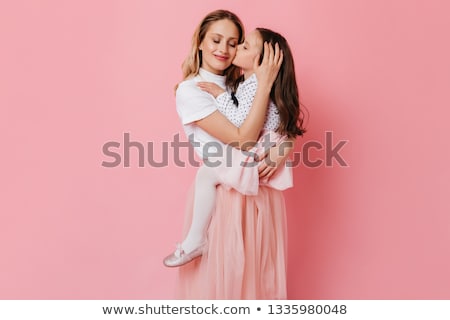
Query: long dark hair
[{"x": 284, "y": 92}]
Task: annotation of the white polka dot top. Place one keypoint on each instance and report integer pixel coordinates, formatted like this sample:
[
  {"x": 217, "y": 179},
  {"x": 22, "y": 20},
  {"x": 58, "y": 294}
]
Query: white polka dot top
[{"x": 245, "y": 94}]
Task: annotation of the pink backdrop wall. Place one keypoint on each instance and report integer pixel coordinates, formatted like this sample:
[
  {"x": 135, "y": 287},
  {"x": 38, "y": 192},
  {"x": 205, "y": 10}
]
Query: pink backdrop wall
[{"x": 77, "y": 74}]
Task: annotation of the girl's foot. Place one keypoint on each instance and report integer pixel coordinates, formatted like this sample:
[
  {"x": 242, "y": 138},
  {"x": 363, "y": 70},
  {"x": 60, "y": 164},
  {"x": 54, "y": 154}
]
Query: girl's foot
[{"x": 179, "y": 257}]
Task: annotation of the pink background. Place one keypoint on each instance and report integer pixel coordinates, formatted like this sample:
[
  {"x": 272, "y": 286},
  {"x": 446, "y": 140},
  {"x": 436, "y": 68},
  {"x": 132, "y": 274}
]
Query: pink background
[{"x": 77, "y": 74}]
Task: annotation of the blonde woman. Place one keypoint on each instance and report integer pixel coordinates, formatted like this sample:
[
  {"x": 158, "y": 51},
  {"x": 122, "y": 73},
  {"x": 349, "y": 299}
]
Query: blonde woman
[{"x": 220, "y": 272}]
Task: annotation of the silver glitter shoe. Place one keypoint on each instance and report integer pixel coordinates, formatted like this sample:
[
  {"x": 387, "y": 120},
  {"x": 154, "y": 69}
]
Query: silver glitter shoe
[{"x": 179, "y": 257}]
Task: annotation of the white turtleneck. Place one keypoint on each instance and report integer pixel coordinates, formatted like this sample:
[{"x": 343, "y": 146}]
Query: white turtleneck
[{"x": 193, "y": 104}]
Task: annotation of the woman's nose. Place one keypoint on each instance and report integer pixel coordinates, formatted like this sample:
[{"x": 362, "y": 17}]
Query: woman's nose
[{"x": 223, "y": 47}]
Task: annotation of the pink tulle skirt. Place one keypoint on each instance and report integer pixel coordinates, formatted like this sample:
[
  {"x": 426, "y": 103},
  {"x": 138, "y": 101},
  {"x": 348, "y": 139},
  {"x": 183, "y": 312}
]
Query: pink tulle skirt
[{"x": 246, "y": 253}]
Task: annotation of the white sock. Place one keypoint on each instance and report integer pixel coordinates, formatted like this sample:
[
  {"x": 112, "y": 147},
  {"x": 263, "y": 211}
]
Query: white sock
[{"x": 204, "y": 201}]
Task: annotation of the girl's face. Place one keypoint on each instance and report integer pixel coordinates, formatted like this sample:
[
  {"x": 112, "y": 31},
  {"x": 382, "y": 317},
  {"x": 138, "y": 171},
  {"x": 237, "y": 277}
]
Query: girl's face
[
  {"x": 248, "y": 51},
  {"x": 219, "y": 46}
]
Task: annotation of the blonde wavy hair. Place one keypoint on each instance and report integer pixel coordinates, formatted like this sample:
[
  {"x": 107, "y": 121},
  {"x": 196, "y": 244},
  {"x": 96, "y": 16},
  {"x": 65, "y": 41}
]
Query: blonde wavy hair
[{"x": 193, "y": 61}]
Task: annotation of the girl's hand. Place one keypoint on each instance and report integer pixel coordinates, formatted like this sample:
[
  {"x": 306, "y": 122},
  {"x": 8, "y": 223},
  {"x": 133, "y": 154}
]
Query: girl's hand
[
  {"x": 210, "y": 87},
  {"x": 267, "y": 71}
]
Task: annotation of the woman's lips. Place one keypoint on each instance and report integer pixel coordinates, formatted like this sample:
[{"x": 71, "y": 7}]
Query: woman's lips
[{"x": 221, "y": 58}]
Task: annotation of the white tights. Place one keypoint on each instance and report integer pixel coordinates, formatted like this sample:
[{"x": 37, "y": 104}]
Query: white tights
[{"x": 206, "y": 181}]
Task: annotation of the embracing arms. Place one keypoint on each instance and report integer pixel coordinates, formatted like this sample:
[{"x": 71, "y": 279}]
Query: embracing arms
[{"x": 217, "y": 125}]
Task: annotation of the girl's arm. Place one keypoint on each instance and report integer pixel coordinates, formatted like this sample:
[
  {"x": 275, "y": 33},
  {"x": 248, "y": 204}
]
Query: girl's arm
[
  {"x": 236, "y": 111},
  {"x": 225, "y": 103},
  {"x": 217, "y": 125}
]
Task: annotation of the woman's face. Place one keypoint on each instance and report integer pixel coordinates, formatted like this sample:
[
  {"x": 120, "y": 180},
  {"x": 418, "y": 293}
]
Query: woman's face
[
  {"x": 219, "y": 46},
  {"x": 248, "y": 51}
]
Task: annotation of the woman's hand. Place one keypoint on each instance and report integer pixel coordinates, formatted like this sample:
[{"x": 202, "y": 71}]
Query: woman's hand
[
  {"x": 210, "y": 87},
  {"x": 274, "y": 158},
  {"x": 267, "y": 71}
]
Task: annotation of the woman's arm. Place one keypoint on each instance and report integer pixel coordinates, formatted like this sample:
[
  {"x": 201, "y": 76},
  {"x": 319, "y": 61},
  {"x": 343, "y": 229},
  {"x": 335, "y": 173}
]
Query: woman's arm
[
  {"x": 275, "y": 157},
  {"x": 217, "y": 125}
]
